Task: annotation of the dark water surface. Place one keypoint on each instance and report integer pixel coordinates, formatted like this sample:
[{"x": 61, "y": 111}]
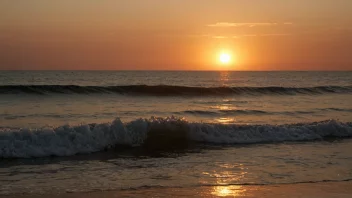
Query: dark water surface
[{"x": 172, "y": 129}]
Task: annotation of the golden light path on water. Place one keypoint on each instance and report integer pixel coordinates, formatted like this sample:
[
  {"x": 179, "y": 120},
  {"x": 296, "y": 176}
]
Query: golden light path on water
[
  {"x": 224, "y": 179},
  {"x": 224, "y": 78},
  {"x": 228, "y": 191}
]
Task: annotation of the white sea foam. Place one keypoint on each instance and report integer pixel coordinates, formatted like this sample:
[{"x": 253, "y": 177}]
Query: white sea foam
[
  {"x": 237, "y": 134},
  {"x": 67, "y": 140},
  {"x": 71, "y": 140}
]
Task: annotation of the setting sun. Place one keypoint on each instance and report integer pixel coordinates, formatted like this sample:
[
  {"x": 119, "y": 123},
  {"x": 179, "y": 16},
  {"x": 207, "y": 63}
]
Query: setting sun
[{"x": 225, "y": 58}]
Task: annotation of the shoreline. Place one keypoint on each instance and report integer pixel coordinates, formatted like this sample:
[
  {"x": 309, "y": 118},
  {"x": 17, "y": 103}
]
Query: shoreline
[{"x": 324, "y": 189}]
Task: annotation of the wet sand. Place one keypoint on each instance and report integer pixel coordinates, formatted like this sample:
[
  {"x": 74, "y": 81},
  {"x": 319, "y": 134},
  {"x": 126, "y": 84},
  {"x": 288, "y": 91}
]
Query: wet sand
[{"x": 311, "y": 190}]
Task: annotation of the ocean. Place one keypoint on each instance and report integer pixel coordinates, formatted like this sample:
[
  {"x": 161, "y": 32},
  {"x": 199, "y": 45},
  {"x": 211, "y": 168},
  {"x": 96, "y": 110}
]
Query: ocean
[{"x": 88, "y": 131}]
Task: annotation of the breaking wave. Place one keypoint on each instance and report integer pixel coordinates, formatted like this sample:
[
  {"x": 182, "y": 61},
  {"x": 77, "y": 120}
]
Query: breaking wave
[
  {"x": 168, "y": 90},
  {"x": 70, "y": 140}
]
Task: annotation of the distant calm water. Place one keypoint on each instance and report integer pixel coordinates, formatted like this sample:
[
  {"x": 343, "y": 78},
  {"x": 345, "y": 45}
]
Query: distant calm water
[{"x": 86, "y": 131}]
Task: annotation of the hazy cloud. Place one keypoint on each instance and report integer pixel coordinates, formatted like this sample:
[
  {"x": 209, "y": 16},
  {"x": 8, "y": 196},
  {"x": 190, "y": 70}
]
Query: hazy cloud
[
  {"x": 219, "y": 37},
  {"x": 260, "y": 35},
  {"x": 227, "y": 24},
  {"x": 239, "y": 36},
  {"x": 275, "y": 35}
]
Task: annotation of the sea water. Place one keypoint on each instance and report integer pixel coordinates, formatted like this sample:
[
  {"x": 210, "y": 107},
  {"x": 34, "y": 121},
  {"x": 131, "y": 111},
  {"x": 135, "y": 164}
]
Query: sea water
[{"x": 74, "y": 131}]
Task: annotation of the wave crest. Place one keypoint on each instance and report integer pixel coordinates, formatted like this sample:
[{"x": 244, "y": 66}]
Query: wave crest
[{"x": 70, "y": 140}]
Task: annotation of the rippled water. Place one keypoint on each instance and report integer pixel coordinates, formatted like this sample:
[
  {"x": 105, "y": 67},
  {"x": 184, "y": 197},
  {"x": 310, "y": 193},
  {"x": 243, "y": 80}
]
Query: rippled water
[{"x": 223, "y": 128}]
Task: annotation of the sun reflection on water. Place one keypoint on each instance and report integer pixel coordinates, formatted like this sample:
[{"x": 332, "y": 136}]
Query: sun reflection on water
[
  {"x": 231, "y": 174},
  {"x": 225, "y": 120},
  {"x": 224, "y": 77},
  {"x": 228, "y": 191}
]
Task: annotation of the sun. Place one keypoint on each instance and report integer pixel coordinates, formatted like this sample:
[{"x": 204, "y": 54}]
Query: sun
[{"x": 225, "y": 58}]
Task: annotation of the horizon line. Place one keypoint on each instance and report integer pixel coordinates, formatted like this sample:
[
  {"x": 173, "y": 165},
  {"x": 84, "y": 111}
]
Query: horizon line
[{"x": 157, "y": 70}]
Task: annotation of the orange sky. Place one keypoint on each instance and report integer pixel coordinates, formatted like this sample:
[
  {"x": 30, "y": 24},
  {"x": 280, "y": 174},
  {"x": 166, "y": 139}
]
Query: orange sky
[{"x": 175, "y": 34}]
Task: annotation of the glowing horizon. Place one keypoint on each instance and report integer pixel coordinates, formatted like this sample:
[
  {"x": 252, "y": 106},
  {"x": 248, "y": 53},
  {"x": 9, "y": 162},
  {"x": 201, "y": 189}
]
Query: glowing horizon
[{"x": 175, "y": 35}]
